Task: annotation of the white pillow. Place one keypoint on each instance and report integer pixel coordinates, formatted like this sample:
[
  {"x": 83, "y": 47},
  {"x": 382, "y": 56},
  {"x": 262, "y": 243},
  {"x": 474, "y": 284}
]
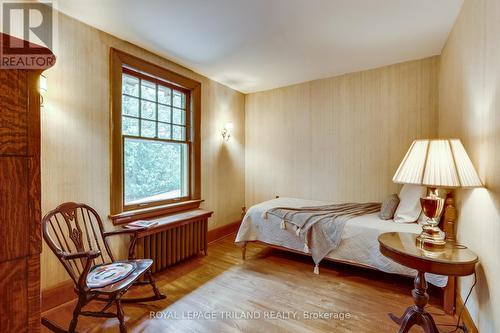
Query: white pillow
[{"x": 409, "y": 208}]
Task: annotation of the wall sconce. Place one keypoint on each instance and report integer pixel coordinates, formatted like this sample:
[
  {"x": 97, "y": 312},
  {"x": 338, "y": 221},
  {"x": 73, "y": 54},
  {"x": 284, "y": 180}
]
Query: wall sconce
[
  {"x": 42, "y": 87},
  {"x": 226, "y": 131}
]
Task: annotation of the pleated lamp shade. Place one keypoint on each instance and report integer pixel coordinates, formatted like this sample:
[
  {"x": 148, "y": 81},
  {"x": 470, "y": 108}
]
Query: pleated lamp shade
[{"x": 437, "y": 163}]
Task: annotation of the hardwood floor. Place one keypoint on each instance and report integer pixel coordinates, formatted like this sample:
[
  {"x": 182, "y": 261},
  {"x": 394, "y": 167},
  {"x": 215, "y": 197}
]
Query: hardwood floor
[{"x": 271, "y": 284}]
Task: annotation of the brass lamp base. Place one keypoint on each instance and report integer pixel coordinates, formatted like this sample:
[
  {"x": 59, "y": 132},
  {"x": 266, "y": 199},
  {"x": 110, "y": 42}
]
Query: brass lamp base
[{"x": 431, "y": 235}]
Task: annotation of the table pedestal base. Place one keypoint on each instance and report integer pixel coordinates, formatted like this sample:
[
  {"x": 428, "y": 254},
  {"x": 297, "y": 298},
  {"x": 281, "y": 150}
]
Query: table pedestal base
[
  {"x": 416, "y": 315},
  {"x": 413, "y": 316}
]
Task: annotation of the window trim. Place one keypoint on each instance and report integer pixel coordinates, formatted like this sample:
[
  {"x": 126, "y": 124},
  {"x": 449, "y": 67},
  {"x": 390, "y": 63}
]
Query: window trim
[{"x": 118, "y": 62}]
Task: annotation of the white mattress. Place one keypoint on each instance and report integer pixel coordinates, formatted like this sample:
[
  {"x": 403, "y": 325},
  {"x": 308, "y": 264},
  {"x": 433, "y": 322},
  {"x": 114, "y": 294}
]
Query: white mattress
[{"x": 359, "y": 243}]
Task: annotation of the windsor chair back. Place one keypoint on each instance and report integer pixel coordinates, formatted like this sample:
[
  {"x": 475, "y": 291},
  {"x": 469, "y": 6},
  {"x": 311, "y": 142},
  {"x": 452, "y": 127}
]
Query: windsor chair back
[{"x": 75, "y": 234}]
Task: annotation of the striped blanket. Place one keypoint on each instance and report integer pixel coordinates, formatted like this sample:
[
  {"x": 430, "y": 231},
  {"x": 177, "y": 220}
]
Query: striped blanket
[{"x": 320, "y": 227}]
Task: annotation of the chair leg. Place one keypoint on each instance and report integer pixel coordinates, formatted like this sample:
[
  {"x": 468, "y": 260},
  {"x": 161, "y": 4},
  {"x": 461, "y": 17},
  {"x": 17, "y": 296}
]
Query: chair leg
[
  {"x": 121, "y": 316},
  {"x": 152, "y": 282},
  {"x": 76, "y": 313},
  {"x": 148, "y": 279},
  {"x": 52, "y": 326}
]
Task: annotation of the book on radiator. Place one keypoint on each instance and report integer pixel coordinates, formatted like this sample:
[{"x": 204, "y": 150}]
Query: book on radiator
[{"x": 141, "y": 224}]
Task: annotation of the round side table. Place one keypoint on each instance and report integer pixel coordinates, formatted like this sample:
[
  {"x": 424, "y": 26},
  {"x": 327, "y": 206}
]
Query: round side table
[{"x": 452, "y": 260}]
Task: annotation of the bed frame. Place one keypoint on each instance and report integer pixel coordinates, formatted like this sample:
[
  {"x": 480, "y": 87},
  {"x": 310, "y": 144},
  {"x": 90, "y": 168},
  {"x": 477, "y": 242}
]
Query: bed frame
[{"x": 449, "y": 290}]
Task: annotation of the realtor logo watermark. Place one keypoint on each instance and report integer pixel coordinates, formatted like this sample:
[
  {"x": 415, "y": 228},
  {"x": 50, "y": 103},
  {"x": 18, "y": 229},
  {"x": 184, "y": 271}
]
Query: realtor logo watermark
[
  {"x": 251, "y": 315},
  {"x": 29, "y": 31}
]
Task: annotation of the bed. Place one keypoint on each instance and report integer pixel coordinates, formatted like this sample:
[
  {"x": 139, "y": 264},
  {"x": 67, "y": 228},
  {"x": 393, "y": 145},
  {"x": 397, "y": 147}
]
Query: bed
[{"x": 359, "y": 245}]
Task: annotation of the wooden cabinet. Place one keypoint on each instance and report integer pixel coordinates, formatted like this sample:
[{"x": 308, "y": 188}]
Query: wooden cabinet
[{"x": 20, "y": 215}]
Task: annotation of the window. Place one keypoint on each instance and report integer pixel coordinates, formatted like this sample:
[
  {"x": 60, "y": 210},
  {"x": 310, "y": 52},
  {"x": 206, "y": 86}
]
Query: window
[
  {"x": 155, "y": 140},
  {"x": 155, "y": 135}
]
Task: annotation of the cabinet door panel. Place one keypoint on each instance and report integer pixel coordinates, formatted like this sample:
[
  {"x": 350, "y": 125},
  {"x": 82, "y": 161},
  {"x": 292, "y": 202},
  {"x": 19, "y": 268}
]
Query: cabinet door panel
[
  {"x": 33, "y": 286},
  {"x": 34, "y": 206},
  {"x": 13, "y": 112},
  {"x": 14, "y": 223},
  {"x": 13, "y": 288}
]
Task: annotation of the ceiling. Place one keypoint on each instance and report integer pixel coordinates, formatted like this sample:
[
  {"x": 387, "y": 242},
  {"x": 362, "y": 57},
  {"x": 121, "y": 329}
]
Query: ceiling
[{"x": 254, "y": 45}]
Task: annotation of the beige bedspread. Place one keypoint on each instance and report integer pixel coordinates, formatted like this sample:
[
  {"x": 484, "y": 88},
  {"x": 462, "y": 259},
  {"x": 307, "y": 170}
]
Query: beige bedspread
[
  {"x": 359, "y": 244},
  {"x": 320, "y": 227}
]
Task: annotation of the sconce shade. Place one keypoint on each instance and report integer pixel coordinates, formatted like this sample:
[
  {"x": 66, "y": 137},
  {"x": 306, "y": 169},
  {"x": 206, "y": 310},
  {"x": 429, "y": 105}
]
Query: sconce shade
[{"x": 437, "y": 163}]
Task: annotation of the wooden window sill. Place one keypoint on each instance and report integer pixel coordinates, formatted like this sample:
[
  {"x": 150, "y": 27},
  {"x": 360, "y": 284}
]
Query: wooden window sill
[
  {"x": 154, "y": 212},
  {"x": 175, "y": 220}
]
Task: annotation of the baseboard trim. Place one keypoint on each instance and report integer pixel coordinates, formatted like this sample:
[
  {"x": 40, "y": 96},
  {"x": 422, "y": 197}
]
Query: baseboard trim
[
  {"x": 57, "y": 295},
  {"x": 466, "y": 317},
  {"x": 224, "y": 231},
  {"x": 64, "y": 292}
]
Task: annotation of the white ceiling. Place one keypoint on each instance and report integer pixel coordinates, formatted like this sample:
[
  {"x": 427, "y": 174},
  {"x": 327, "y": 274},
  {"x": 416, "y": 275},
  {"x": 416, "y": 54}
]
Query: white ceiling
[{"x": 254, "y": 45}]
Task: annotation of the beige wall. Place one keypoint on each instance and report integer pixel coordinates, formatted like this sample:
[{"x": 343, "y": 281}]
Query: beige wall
[
  {"x": 469, "y": 108},
  {"x": 340, "y": 138},
  {"x": 75, "y": 133}
]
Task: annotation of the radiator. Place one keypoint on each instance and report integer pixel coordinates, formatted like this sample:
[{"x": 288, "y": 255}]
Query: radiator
[{"x": 175, "y": 244}]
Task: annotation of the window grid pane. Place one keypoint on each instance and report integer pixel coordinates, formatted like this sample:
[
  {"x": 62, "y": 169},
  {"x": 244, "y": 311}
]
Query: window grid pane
[
  {"x": 130, "y": 125},
  {"x": 171, "y": 116},
  {"x": 158, "y": 104},
  {"x": 164, "y": 113},
  {"x": 164, "y": 95},
  {"x": 130, "y": 85},
  {"x": 140, "y": 107},
  {"x": 148, "y": 110},
  {"x": 148, "y": 90},
  {"x": 130, "y": 105},
  {"x": 156, "y": 111},
  {"x": 164, "y": 131}
]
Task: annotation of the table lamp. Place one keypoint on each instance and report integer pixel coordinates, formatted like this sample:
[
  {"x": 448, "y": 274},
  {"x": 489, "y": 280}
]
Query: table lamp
[{"x": 441, "y": 163}]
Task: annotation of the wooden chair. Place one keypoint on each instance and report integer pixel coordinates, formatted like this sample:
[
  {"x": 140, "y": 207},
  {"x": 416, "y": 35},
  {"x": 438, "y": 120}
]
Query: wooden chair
[{"x": 75, "y": 233}]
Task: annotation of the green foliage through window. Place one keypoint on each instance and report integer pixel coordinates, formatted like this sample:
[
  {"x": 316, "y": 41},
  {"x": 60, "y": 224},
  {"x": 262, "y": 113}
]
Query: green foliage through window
[{"x": 154, "y": 170}]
